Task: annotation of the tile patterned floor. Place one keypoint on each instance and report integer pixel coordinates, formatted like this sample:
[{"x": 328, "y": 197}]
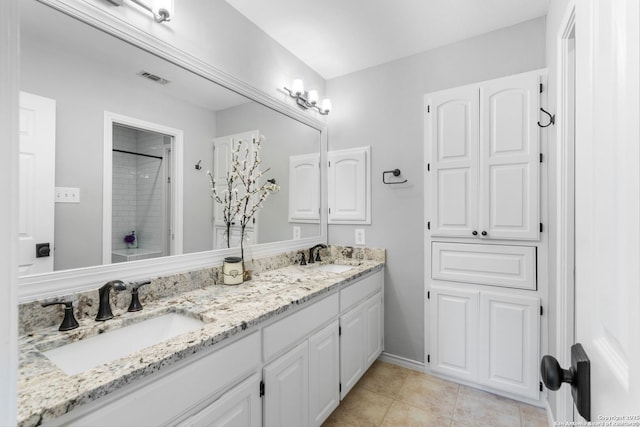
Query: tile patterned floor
[{"x": 392, "y": 396}]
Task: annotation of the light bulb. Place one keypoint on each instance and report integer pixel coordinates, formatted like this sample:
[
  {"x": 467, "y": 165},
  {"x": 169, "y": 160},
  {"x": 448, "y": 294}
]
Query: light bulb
[
  {"x": 326, "y": 105},
  {"x": 297, "y": 87},
  {"x": 313, "y": 97}
]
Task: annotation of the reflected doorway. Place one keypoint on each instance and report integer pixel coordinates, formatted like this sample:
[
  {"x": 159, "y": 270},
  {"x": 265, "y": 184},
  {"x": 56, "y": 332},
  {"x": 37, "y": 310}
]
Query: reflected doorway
[{"x": 142, "y": 190}]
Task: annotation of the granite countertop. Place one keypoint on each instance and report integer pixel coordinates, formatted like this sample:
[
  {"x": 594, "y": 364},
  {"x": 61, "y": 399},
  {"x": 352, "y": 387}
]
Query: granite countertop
[{"x": 46, "y": 392}]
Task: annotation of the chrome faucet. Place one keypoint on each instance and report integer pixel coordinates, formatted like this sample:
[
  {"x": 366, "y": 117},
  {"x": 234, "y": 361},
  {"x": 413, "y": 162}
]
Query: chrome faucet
[
  {"x": 317, "y": 257},
  {"x": 104, "y": 308}
]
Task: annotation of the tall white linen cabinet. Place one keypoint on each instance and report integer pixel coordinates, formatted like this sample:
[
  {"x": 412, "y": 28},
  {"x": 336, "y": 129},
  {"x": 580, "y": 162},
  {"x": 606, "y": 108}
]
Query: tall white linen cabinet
[{"x": 485, "y": 239}]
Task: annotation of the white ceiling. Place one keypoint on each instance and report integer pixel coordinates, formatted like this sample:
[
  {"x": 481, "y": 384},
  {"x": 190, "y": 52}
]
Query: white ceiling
[{"x": 337, "y": 37}]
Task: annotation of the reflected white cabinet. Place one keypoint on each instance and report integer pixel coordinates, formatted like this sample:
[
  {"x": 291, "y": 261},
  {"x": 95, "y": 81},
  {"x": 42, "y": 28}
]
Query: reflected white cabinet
[
  {"x": 490, "y": 338},
  {"x": 361, "y": 340},
  {"x": 304, "y": 188},
  {"x": 286, "y": 382},
  {"x": 240, "y": 406},
  {"x": 453, "y": 331},
  {"x": 349, "y": 186},
  {"x": 483, "y": 150}
]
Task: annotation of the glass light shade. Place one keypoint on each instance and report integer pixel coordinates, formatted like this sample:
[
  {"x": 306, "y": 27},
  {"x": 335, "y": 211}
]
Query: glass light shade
[
  {"x": 313, "y": 97},
  {"x": 297, "y": 87},
  {"x": 326, "y": 105}
]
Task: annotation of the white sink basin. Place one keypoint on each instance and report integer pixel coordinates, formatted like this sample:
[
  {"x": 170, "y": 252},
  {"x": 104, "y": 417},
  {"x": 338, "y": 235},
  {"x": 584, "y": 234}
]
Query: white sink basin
[
  {"x": 91, "y": 352},
  {"x": 334, "y": 268}
]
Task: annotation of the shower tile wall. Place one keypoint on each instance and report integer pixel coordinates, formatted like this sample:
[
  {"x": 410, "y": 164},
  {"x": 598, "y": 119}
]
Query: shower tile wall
[{"x": 138, "y": 197}]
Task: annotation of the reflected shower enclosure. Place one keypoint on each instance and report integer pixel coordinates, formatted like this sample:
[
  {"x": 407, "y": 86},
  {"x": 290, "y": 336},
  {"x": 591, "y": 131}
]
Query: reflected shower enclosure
[{"x": 140, "y": 194}]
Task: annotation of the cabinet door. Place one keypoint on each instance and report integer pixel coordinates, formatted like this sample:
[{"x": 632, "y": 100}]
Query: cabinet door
[
  {"x": 374, "y": 327},
  {"x": 509, "y": 335},
  {"x": 240, "y": 406},
  {"x": 510, "y": 157},
  {"x": 453, "y": 335},
  {"x": 352, "y": 345},
  {"x": 286, "y": 383},
  {"x": 324, "y": 374},
  {"x": 349, "y": 182},
  {"x": 304, "y": 188},
  {"x": 452, "y": 147}
]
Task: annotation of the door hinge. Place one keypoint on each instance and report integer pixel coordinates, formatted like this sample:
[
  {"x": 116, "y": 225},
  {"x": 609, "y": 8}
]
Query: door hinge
[
  {"x": 541, "y": 227},
  {"x": 168, "y": 180},
  {"x": 329, "y": 163},
  {"x": 428, "y": 358},
  {"x": 541, "y": 311},
  {"x": 428, "y": 294},
  {"x": 329, "y": 210},
  {"x": 261, "y": 388},
  {"x": 541, "y": 87},
  {"x": 428, "y": 108},
  {"x": 540, "y": 157},
  {"x": 428, "y": 167},
  {"x": 540, "y": 385},
  {"x": 339, "y": 331},
  {"x": 428, "y": 225},
  {"x": 254, "y": 220},
  {"x": 340, "y": 387}
]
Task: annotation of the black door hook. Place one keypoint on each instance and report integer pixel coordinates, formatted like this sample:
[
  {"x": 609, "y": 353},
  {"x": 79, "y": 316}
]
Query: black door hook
[{"x": 552, "y": 118}]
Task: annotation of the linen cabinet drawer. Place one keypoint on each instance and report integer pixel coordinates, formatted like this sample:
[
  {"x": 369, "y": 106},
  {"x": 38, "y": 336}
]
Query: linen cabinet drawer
[{"x": 493, "y": 265}]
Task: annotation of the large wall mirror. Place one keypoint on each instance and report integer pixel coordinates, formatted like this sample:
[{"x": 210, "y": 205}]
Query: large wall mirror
[{"x": 117, "y": 141}]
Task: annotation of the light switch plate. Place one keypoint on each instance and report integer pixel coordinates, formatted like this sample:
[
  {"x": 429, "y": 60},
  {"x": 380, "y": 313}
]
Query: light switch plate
[
  {"x": 360, "y": 236},
  {"x": 67, "y": 195},
  {"x": 296, "y": 233}
]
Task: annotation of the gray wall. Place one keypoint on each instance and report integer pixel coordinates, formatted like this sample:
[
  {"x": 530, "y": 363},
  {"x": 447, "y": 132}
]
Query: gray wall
[
  {"x": 284, "y": 137},
  {"x": 383, "y": 107}
]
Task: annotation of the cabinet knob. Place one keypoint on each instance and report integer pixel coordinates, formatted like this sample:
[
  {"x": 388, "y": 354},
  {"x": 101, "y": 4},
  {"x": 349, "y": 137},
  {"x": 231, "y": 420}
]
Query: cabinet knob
[
  {"x": 474, "y": 232},
  {"x": 484, "y": 233}
]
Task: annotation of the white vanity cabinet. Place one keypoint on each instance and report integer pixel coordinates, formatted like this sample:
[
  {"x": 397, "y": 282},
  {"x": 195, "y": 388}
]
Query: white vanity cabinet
[
  {"x": 361, "y": 329},
  {"x": 483, "y": 159},
  {"x": 490, "y": 338}
]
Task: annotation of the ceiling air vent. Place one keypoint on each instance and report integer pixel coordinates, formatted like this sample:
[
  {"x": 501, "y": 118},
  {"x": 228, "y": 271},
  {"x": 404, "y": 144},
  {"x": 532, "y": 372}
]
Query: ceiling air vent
[{"x": 153, "y": 77}]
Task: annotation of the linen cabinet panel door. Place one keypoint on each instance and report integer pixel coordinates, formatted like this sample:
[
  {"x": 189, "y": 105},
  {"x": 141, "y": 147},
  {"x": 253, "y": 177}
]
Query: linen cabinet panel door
[
  {"x": 286, "y": 382},
  {"x": 324, "y": 374},
  {"x": 373, "y": 335},
  {"x": 453, "y": 324},
  {"x": 352, "y": 325},
  {"x": 510, "y": 157},
  {"x": 240, "y": 406},
  {"x": 453, "y": 145},
  {"x": 509, "y": 350}
]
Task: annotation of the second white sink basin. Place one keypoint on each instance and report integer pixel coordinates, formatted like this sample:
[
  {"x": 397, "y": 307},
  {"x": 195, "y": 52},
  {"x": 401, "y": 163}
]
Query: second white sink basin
[
  {"x": 91, "y": 352},
  {"x": 334, "y": 268}
]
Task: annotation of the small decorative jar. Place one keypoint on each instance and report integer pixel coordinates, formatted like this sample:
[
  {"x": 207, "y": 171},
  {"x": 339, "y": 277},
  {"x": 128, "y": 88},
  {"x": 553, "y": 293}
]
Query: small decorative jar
[{"x": 232, "y": 270}]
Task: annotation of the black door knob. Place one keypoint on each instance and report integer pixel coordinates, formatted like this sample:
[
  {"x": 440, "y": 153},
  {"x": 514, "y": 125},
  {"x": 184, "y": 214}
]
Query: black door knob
[
  {"x": 484, "y": 233},
  {"x": 42, "y": 250},
  {"x": 552, "y": 374},
  {"x": 474, "y": 232}
]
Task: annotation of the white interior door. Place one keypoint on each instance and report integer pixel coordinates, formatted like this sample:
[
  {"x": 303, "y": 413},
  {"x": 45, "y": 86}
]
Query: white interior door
[
  {"x": 607, "y": 192},
  {"x": 37, "y": 183}
]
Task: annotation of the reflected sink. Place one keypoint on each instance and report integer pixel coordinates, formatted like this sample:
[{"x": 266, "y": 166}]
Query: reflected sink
[
  {"x": 334, "y": 268},
  {"x": 81, "y": 355}
]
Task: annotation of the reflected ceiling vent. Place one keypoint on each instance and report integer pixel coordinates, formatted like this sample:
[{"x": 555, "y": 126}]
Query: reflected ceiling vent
[{"x": 153, "y": 77}]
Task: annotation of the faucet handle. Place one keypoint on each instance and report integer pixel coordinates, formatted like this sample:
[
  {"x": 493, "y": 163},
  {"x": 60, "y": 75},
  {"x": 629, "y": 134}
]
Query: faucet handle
[
  {"x": 135, "y": 300},
  {"x": 69, "y": 322},
  {"x": 302, "y": 260}
]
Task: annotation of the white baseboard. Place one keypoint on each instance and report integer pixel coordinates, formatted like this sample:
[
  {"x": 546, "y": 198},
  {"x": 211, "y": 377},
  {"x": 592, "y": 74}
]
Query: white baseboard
[
  {"x": 401, "y": 361},
  {"x": 550, "y": 419}
]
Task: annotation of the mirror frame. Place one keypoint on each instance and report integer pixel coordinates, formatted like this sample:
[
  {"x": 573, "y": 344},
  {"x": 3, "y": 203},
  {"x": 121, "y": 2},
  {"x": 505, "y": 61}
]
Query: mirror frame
[{"x": 65, "y": 282}]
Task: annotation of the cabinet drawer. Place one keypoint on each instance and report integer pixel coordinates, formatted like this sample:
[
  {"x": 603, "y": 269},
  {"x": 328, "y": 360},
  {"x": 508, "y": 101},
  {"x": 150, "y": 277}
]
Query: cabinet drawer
[
  {"x": 494, "y": 265},
  {"x": 160, "y": 399},
  {"x": 293, "y": 329},
  {"x": 360, "y": 290}
]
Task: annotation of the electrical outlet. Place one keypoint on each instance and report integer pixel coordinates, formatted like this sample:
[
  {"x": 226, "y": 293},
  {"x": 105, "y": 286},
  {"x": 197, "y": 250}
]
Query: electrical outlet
[
  {"x": 359, "y": 236},
  {"x": 67, "y": 195},
  {"x": 296, "y": 233}
]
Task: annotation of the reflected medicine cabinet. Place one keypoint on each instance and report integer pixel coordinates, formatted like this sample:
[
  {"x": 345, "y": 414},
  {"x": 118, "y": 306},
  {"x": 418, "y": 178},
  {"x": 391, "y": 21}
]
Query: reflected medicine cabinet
[{"x": 349, "y": 182}]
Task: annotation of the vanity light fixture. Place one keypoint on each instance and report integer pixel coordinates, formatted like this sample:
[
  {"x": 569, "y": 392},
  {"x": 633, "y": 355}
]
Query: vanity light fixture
[
  {"x": 160, "y": 15},
  {"x": 308, "y": 99}
]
